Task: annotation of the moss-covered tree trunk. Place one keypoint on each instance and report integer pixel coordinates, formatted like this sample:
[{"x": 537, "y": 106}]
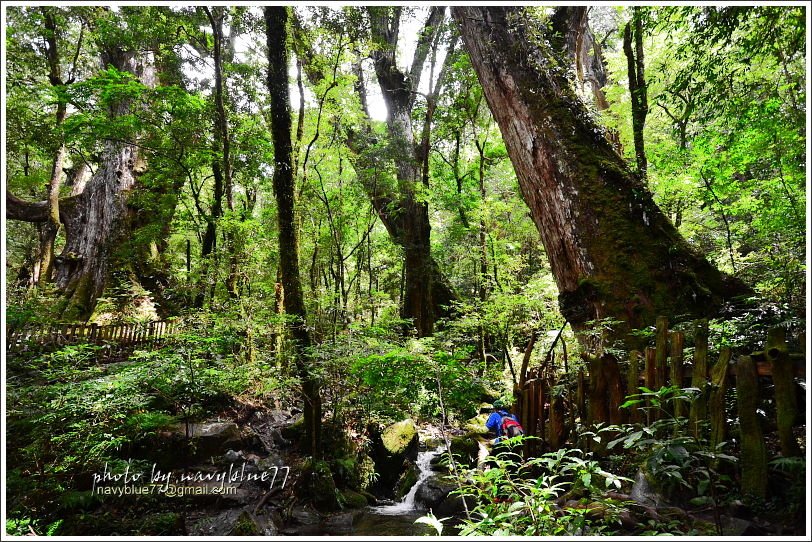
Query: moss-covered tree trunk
[
  {"x": 276, "y": 20},
  {"x": 612, "y": 251}
]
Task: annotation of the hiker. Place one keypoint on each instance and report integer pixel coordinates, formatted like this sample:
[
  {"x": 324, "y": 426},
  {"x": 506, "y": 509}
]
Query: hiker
[{"x": 504, "y": 424}]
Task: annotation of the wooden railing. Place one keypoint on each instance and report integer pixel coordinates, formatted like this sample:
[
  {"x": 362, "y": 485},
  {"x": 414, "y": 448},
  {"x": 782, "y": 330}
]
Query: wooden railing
[
  {"x": 548, "y": 409},
  {"x": 30, "y": 337}
]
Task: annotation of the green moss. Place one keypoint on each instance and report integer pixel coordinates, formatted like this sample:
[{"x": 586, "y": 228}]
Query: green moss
[
  {"x": 476, "y": 425},
  {"x": 315, "y": 484},
  {"x": 465, "y": 449},
  {"x": 245, "y": 526},
  {"x": 352, "y": 499},
  {"x": 406, "y": 481},
  {"x": 397, "y": 437}
]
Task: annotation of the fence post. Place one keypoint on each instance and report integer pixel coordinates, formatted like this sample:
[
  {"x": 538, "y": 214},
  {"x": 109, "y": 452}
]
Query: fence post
[
  {"x": 651, "y": 381},
  {"x": 633, "y": 383},
  {"x": 661, "y": 344},
  {"x": 677, "y": 347},
  {"x": 785, "y": 403},
  {"x": 699, "y": 376},
  {"x": 580, "y": 396},
  {"x": 753, "y": 449},
  {"x": 716, "y": 402}
]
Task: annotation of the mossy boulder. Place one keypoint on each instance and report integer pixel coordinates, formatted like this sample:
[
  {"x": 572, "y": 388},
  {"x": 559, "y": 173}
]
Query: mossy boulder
[
  {"x": 407, "y": 479},
  {"x": 476, "y": 424},
  {"x": 353, "y": 499},
  {"x": 294, "y": 432},
  {"x": 315, "y": 484},
  {"x": 465, "y": 450},
  {"x": 401, "y": 439},
  {"x": 394, "y": 451}
]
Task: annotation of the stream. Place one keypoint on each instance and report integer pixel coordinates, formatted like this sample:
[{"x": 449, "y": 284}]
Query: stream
[{"x": 397, "y": 519}]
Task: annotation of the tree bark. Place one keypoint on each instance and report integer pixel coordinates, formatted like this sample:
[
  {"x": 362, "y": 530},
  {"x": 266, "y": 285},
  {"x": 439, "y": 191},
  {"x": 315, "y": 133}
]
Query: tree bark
[
  {"x": 276, "y": 20},
  {"x": 611, "y": 250},
  {"x": 398, "y": 90},
  {"x": 428, "y": 294},
  {"x": 49, "y": 229},
  {"x": 633, "y": 48},
  {"x": 95, "y": 219}
]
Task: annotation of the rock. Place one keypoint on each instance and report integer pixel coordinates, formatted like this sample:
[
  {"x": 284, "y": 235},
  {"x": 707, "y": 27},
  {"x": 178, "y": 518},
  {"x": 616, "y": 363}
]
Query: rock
[
  {"x": 232, "y": 457},
  {"x": 736, "y": 527},
  {"x": 406, "y": 480},
  {"x": 401, "y": 439},
  {"x": 235, "y": 522},
  {"x": 352, "y": 499},
  {"x": 315, "y": 484},
  {"x": 453, "y": 506},
  {"x": 304, "y": 515},
  {"x": 465, "y": 450},
  {"x": 476, "y": 425},
  {"x": 433, "y": 491},
  {"x": 277, "y": 438},
  {"x": 393, "y": 452},
  {"x": 295, "y": 431},
  {"x": 211, "y": 439},
  {"x": 643, "y": 493},
  {"x": 338, "y": 525}
]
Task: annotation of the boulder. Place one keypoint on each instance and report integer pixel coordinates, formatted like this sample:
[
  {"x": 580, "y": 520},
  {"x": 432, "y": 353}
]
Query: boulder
[
  {"x": 315, "y": 484},
  {"x": 476, "y": 425},
  {"x": 407, "y": 479},
  {"x": 643, "y": 492},
  {"x": 433, "y": 491},
  {"x": 235, "y": 522},
  {"x": 400, "y": 439},
  {"x": 393, "y": 451},
  {"x": 205, "y": 440},
  {"x": 352, "y": 499},
  {"x": 465, "y": 450}
]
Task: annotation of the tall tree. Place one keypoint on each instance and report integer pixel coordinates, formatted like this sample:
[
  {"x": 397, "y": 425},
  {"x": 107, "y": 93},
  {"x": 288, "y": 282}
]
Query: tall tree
[
  {"x": 611, "y": 250},
  {"x": 633, "y": 48},
  {"x": 276, "y": 21},
  {"x": 96, "y": 218}
]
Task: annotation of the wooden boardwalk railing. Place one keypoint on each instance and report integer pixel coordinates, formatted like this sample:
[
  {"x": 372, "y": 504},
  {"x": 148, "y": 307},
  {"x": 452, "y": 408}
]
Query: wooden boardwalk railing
[
  {"x": 549, "y": 409},
  {"x": 26, "y": 338}
]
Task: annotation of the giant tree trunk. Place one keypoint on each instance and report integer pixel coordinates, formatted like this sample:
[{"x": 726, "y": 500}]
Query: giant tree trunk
[
  {"x": 276, "y": 19},
  {"x": 612, "y": 251},
  {"x": 93, "y": 229}
]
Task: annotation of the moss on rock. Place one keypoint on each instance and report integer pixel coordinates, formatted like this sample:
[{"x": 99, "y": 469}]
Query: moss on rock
[
  {"x": 316, "y": 485},
  {"x": 398, "y": 437},
  {"x": 353, "y": 499}
]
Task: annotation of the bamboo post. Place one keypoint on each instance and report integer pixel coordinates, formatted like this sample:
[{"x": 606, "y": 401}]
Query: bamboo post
[
  {"x": 677, "y": 348},
  {"x": 614, "y": 388},
  {"x": 597, "y": 392},
  {"x": 540, "y": 415},
  {"x": 753, "y": 449},
  {"x": 633, "y": 383},
  {"x": 661, "y": 344},
  {"x": 651, "y": 381},
  {"x": 785, "y": 402},
  {"x": 699, "y": 376},
  {"x": 580, "y": 395},
  {"x": 556, "y": 422},
  {"x": 94, "y": 332},
  {"x": 716, "y": 402}
]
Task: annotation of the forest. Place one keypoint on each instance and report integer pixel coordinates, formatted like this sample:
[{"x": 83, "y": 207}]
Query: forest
[{"x": 394, "y": 270}]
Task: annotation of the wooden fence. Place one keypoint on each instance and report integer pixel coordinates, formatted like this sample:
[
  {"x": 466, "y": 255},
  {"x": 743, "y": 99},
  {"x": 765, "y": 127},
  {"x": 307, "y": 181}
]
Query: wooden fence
[
  {"x": 27, "y": 338},
  {"x": 549, "y": 408}
]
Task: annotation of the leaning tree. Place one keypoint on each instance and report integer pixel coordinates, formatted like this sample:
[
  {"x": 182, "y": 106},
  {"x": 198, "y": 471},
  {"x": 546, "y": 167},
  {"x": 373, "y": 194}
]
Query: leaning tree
[{"x": 612, "y": 251}]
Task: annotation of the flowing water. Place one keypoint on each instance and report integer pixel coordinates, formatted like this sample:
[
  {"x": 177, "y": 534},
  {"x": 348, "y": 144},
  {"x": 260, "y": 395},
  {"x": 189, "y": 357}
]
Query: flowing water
[{"x": 407, "y": 504}]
